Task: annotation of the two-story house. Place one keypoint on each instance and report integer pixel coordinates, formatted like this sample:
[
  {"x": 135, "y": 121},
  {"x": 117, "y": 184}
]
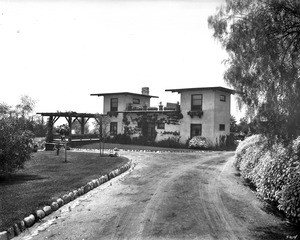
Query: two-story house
[
  {"x": 202, "y": 111},
  {"x": 206, "y": 112}
]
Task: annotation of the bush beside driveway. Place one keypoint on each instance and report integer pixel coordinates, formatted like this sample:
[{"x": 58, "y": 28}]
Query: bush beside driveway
[{"x": 274, "y": 170}]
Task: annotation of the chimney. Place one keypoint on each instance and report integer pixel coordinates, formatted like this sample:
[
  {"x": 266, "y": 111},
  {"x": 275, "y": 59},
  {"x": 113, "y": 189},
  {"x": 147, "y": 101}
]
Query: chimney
[{"x": 145, "y": 91}]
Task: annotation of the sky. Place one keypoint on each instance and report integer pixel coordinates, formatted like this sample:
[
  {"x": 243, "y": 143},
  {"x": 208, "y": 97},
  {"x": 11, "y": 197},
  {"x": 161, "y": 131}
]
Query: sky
[{"x": 60, "y": 52}]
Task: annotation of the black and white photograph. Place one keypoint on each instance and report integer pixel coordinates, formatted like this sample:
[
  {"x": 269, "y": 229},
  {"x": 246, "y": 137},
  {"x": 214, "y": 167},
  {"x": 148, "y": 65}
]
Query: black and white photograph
[{"x": 149, "y": 119}]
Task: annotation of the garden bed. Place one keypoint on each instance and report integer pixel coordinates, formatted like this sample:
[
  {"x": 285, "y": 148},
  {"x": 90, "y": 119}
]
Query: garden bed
[{"x": 47, "y": 177}]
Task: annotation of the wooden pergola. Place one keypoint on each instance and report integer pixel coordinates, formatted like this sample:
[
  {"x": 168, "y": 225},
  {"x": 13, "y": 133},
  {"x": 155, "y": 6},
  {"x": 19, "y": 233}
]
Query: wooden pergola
[{"x": 70, "y": 117}]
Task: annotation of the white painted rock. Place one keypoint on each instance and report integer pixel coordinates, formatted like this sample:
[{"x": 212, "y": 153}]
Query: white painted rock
[
  {"x": 75, "y": 192},
  {"x": 3, "y": 235},
  {"x": 47, "y": 210},
  {"x": 40, "y": 214},
  {"x": 86, "y": 188},
  {"x": 66, "y": 198},
  {"x": 54, "y": 206},
  {"x": 60, "y": 202},
  {"x": 29, "y": 221},
  {"x": 71, "y": 195}
]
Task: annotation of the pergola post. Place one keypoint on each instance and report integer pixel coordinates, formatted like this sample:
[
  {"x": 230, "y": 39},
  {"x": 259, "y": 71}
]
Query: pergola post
[
  {"x": 49, "y": 137},
  {"x": 69, "y": 120},
  {"x": 82, "y": 125},
  {"x": 51, "y": 121}
]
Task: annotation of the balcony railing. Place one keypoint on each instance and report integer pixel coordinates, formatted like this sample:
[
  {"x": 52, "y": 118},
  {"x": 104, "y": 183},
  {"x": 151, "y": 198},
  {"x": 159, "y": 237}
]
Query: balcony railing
[
  {"x": 194, "y": 113},
  {"x": 145, "y": 108}
]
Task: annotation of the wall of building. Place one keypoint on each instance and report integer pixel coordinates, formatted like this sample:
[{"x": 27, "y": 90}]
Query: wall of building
[
  {"x": 215, "y": 112},
  {"x": 222, "y": 114},
  {"x": 207, "y": 119},
  {"x": 170, "y": 131},
  {"x": 123, "y": 101}
]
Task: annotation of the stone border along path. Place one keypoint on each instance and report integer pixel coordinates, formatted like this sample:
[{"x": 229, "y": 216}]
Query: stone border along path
[
  {"x": 30, "y": 220},
  {"x": 140, "y": 150}
]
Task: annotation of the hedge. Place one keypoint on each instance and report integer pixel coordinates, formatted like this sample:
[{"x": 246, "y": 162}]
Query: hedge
[{"x": 274, "y": 170}]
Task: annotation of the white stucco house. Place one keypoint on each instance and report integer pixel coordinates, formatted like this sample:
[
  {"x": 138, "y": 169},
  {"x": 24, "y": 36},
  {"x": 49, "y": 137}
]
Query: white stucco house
[{"x": 203, "y": 111}]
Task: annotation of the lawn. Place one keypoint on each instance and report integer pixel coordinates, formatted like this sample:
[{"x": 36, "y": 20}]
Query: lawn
[{"x": 45, "y": 178}]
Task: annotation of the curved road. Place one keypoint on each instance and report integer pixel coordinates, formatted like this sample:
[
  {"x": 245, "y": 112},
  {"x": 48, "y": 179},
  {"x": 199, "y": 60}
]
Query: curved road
[{"x": 166, "y": 196}]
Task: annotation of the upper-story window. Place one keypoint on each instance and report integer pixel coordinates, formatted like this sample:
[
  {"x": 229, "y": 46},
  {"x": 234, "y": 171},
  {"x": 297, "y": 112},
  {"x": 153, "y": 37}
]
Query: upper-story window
[
  {"x": 136, "y": 101},
  {"x": 222, "y": 98},
  {"x": 196, "y": 102},
  {"x": 113, "y": 104},
  {"x": 222, "y": 127}
]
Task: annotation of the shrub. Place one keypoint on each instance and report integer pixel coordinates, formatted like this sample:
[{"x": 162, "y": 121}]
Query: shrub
[
  {"x": 199, "y": 142},
  {"x": 15, "y": 145},
  {"x": 289, "y": 200},
  {"x": 142, "y": 140},
  {"x": 122, "y": 139},
  {"x": 275, "y": 171},
  {"x": 251, "y": 157},
  {"x": 171, "y": 142},
  {"x": 242, "y": 147},
  {"x": 272, "y": 172}
]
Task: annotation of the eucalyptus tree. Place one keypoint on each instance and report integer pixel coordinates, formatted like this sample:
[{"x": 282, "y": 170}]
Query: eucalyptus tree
[{"x": 262, "y": 38}]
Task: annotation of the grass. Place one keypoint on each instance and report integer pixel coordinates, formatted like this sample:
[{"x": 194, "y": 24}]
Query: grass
[{"x": 45, "y": 178}]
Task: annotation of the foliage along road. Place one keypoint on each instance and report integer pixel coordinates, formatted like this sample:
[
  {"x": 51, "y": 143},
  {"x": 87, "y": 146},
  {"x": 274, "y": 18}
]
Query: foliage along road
[{"x": 166, "y": 196}]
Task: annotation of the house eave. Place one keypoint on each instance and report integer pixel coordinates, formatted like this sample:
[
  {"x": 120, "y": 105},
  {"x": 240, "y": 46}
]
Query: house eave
[
  {"x": 222, "y": 89},
  {"x": 123, "y": 93}
]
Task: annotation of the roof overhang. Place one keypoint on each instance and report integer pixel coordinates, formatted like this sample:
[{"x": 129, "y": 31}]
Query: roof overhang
[
  {"x": 68, "y": 114},
  {"x": 222, "y": 89},
  {"x": 122, "y": 93}
]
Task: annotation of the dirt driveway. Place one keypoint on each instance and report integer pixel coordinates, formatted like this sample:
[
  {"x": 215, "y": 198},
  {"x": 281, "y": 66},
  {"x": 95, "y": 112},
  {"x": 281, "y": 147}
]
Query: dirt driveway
[{"x": 166, "y": 196}]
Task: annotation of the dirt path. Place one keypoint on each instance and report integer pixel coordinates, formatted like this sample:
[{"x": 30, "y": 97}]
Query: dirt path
[{"x": 166, "y": 196}]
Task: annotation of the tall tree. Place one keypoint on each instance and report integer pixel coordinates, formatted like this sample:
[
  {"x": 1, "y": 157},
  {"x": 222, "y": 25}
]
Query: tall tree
[
  {"x": 26, "y": 106},
  {"x": 262, "y": 38},
  {"x": 233, "y": 125}
]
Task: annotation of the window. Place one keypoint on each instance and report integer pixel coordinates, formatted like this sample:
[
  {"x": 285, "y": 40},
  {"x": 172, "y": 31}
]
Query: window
[
  {"x": 113, "y": 128},
  {"x": 136, "y": 101},
  {"x": 113, "y": 104},
  {"x": 196, "y": 102},
  {"x": 222, "y": 127},
  {"x": 160, "y": 125},
  {"x": 222, "y": 98},
  {"x": 196, "y": 130}
]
